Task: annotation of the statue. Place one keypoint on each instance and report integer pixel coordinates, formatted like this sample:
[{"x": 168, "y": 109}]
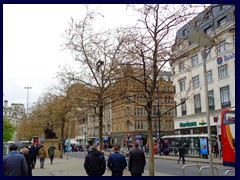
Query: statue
[{"x": 49, "y": 134}]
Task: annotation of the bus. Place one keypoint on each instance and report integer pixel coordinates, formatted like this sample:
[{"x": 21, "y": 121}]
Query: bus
[
  {"x": 195, "y": 144},
  {"x": 228, "y": 136}
]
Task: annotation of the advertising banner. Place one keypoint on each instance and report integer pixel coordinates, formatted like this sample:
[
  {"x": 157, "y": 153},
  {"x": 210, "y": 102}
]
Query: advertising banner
[{"x": 203, "y": 146}]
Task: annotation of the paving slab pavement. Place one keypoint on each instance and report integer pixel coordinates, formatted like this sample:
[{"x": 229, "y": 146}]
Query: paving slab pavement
[{"x": 73, "y": 166}]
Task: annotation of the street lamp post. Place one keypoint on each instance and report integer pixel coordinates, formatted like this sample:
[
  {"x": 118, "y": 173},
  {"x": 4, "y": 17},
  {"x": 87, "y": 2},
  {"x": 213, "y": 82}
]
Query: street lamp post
[
  {"x": 85, "y": 141},
  {"x": 85, "y": 134},
  {"x": 203, "y": 40},
  {"x": 27, "y": 96},
  {"x": 159, "y": 127},
  {"x": 109, "y": 139}
]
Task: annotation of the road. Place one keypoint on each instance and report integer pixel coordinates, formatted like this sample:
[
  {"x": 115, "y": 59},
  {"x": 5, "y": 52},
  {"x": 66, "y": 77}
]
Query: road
[{"x": 170, "y": 167}]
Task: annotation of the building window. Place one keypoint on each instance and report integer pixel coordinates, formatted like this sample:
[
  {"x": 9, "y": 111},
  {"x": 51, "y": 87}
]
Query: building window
[
  {"x": 197, "y": 103},
  {"x": 155, "y": 111},
  {"x": 182, "y": 84},
  {"x": 194, "y": 60},
  {"x": 211, "y": 100},
  {"x": 209, "y": 77},
  {"x": 222, "y": 21},
  {"x": 221, "y": 7},
  {"x": 181, "y": 67},
  {"x": 128, "y": 111},
  {"x": 195, "y": 81},
  {"x": 138, "y": 125},
  {"x": 225, "y": 97},
  {"x": 222, "y": 71},
  {"x": 208, "y": 30},
  {"x": 183, "y": 107},
  {"x": 184, "y": 32},
  {"x": 221, "y": 47}
]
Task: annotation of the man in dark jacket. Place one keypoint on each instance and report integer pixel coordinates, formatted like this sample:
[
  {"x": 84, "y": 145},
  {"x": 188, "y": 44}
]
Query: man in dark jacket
[
  {"x": 137, "y": 161},
  {"x": 117, "y": 162},
  {"x": 29, "y": 160},
  {"x": 95, "y": 164},
  {"x": 182, "y": 152},
  {"x": 14, "y": 164},
  {"x": 33, "y": 151}
]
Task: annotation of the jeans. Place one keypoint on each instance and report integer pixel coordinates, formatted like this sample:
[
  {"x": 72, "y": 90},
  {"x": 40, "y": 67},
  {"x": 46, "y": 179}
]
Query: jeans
[
  {"x": 42, "y": 162},
  {"x": 51, "y": 158}
]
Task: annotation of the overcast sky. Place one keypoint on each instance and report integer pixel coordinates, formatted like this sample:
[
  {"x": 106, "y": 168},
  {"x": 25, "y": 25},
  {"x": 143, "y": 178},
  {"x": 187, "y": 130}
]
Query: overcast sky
[
  {"x": 32, "y": 44},
  {"x": 32, "y": 39}
]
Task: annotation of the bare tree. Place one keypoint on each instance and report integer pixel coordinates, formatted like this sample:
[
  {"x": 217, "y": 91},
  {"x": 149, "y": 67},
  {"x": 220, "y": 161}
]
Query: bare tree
[
  {"x": 148, "y": 50},
  {"x": 97, "y": 54}
]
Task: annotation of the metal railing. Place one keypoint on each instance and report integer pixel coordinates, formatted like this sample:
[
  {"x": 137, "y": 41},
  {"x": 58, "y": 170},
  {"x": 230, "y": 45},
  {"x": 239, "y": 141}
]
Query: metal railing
[
  {"x": 229, "y": 171},
  {"x": 189, "y": 165},
  {"x": 208, "y": 167}
]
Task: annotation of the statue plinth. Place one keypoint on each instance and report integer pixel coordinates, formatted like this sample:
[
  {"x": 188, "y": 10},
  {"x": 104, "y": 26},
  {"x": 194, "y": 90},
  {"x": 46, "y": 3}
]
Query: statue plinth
[{"x": 55, "y": 143}]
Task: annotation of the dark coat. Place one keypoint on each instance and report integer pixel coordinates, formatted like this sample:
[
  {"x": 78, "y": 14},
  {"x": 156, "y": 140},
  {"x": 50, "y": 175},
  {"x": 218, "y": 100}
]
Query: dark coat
[
  {"x": 117, "y": 162},
  {"x": 95, "y": 164},
  {"x": 33, "y": 151},
  {"x": 29, "y": 160},
  {"x": 137, "y": 161},
  {"x": 14, "y": 164},
  {"x": 182, "y": 151}
]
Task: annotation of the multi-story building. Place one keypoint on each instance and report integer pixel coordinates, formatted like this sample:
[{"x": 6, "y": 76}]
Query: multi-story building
[
  {"x": 14, "y": 113},
  {"x": 129, "y": 117},
  {"x": 87, "y": 126},
  {"x": 187, "y": 68}
]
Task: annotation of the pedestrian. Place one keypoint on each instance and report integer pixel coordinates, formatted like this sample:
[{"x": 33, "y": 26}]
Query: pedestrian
[
  {"x": 117, "y": 162},
  {"x": 87, "y": 148},
  {"x": 146, "y": 149},
  {"x": 51, "y": 150},
  {"x": 42, "y": 153},
  {"x": 14, "y": 164},
  {"x": 29, "y": 160},
  {"x": 95, "y": 164},
  {"x": 192, "y": 148},
  {"x": 216, "y": 149},
  {"x": 137, "y": 161},
  {"x": 33, "y": 151},
  {"x": 182, "y": 152}
]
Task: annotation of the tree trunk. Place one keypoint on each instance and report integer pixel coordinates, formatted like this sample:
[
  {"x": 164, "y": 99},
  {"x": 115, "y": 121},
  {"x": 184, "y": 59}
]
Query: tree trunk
[
  {"x": 62, "y": 137},
  {"x": 100, "y": 127},
  {"x": 151, "y": 150}
]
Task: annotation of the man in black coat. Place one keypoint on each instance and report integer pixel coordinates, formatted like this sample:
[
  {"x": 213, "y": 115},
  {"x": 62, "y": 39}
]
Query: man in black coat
[
  {"x": 137, "y": 161},
  {"x": 95, "y": 164}
]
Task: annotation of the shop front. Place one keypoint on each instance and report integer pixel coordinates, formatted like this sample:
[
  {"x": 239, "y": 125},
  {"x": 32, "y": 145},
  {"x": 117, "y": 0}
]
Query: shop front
[{"x": 195, "y": 126}]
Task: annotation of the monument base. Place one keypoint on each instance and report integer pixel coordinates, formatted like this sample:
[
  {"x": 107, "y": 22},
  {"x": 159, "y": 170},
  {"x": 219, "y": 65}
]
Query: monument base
[{"x": 55, "y": 143}]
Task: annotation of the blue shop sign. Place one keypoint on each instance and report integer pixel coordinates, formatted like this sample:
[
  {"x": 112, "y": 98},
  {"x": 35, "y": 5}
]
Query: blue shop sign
[{"x": 225, "y": 58}]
